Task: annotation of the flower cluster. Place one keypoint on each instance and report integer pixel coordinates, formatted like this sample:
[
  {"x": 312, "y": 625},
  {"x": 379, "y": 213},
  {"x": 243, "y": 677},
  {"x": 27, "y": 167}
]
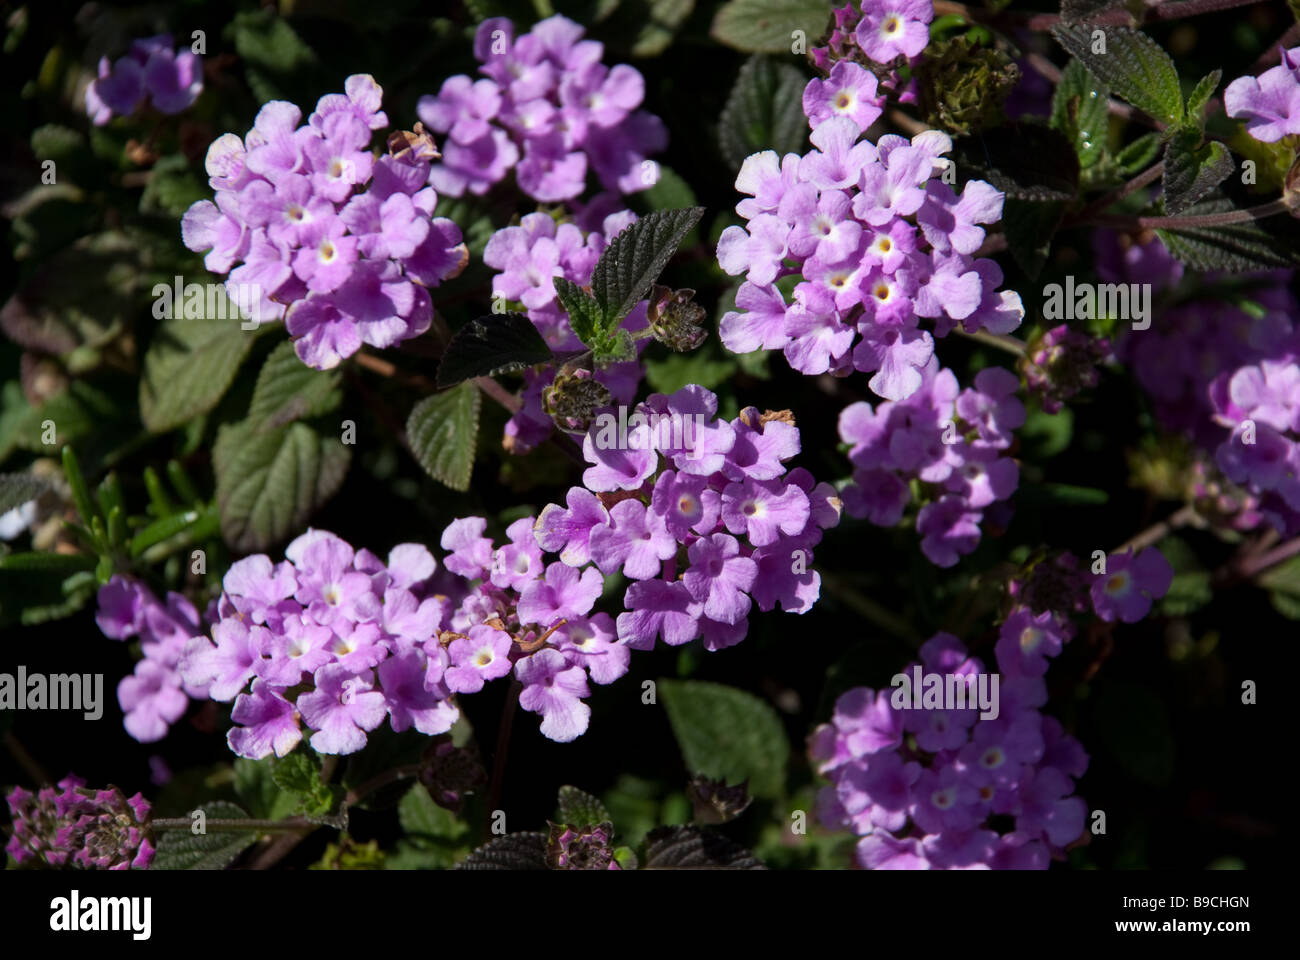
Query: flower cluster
[
  {"x": 924, "y": 780},
  {"x": 170, "y": 79},
  {"x": 1269, "y": 103},
  {"x": 700, "y": 513},
  {"x": 76, "y": 828},
  {"x": 878, "y": 241},
  {"x": 1062, "y": 363},
  {"x": 307, "y": 216},
  {"x": 529, "y": 257},
  {"x": 943, "y": 437},
  {"x": 548, "y": 109},
  {"x": 882, "y": 35},
  {"x": 155, "y": 695}
]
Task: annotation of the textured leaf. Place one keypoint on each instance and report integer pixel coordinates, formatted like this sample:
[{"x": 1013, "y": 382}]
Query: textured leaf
[
  {"x": 1075, "y": 10},
  {"x": 269, "y": 483},
  {"x": 765, "y": 26},
  {"x": 215, "y": 850},
  {"x": 497, "y": 343},
  {"x": 634, "y": 259},
  {"x": 1139, "y": 154},
  {"x": 1201, "y": 94},
  {"x": 298, "y": 774},
  {"x": 579, "y": 808},
  {"x": 727, "y": 734},
  {"x": 584, "y": 312},
  {"x": 515, "y": 851},
  {"x": 1079, "y": 111},
  {"x": 1026, "y": 161},
  {"x": 1029, "y": 228},
  {"x": 1192, "y": 169},
  {"x": 17, "y": 488},
  {"x": 287, "y": 390},
  {"x": 1134, "y": 66},
  {"x": 190, "y": 364},
  {"x": 764, "y": 111},
  {"x": 443, "y": 430},
  {"x": 1239, "y": 247},
  {"x": 694, "y": 848}
]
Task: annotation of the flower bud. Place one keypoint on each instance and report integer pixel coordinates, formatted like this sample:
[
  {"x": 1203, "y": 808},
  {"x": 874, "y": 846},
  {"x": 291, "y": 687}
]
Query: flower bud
[{"x": 675, "y": 319}]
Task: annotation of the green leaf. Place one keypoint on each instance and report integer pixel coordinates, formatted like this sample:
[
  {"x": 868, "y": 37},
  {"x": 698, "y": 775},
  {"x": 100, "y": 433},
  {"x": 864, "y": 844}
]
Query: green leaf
[
  {"x": 443, "y": 430},
  {"x": 77, "y": 483},
  {"x": 215, "y": 850},
  {"x": 764, "y": 111},
  {"x": 497, "y": 343},
  {"x": 670, "y": 192},
  {"x": 766, "y": 26},
  {"x": 1132, "y": 64},
  {"x": 1026, "y": 161},
  {"x": 171, "y": 188},
  {"x": 190, "y": 364},
  {"x": 269, "y": 483},
  {"x": 1192, "y": 169},
  {"x": 287, "y": 390},
  {"x": 695, "y": 848},
  {"x": 679, "y": 369},
  {"x": 163, "y": 529},
  {"x": 1029, "y": 228},
  {"x": 727, "y": 734},
  {"x": 18, "y": 488},
  {"x": 1139, "y": 154},
  {"x": 633, "y": 260},
  {"x": 1236, "y": 248},
  {"x": 1201, "y": 94},
  {"x": 62, "y": 564},
  {"x": 515, "y": 851},
  {"x": 1079, "y": 111},
  {"x": 419, "y": 815},
  {"x": 256, "y": 788},
  {"x": 584, "y": 312},
  {"x": 1062, "y": 494},
  {"x": 1044, "y": 435},
  {"x": 579, "y": 808},
  {"x": 298, "y": 774},
  {"x": 617, "y": 348}
]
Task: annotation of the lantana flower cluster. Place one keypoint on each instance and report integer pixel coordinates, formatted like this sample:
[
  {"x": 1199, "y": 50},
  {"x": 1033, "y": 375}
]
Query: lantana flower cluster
[
  {"x": 925, "y": 786},
  {"x": 306, "y": 216},
  {"x": 549, "y": 110},
  {"x": 949, "y": 440},
  {"x": 877, "y": 240},
  {"x": 883, "y": 35},
  {"x": 708, "y": 524},
  {"x": 171, "y": 80},
  {"x": 154, "y": 695},
  {"x": 74, "y": 828},
  {"x": 529, "y": 257}
]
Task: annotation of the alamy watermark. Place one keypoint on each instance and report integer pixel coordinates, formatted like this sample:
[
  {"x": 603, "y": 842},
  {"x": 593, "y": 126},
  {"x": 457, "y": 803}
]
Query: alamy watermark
[
  {"x": 1093, "y": 301},
  {"x": 946, "y": 691},
  {"x": 58, "y": 691},
  {"x": 209, "y": 301},
  {"x": 652, "y": 431}
]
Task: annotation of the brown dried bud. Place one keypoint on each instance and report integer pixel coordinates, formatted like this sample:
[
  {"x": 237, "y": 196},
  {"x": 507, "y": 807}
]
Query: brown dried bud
[
  {"x": 412, "y": 146},
  {"x": 573, "y": 399},
  {"x": 675, "y": 320}
]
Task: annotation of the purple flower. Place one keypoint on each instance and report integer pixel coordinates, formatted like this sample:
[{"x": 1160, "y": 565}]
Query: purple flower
[
  {"x": 949, "y": 528},
  {"x": 658, "y": 608},
  {"x": 636, "y": 541},
  {"x": 267, "y": 723},
  {"x": 894, "y": 28},
  {"x": 342, "y": 707},
  {"x": 554, "y": 689},
  {"x": 568, "y": 532},
  {"x": 849, "y": 91},
  {"x": 410, "y": 702},
  {"x": 226, "y": 665},
  {"x": 152, "y": 700},
  {"x": 564, "y": 592},
  {"x": 1269, "y": 103},
  {"x": 1130, "y": 584},
  {"x": 718, "y": 577},
  {"x": 483, "y": 655}
]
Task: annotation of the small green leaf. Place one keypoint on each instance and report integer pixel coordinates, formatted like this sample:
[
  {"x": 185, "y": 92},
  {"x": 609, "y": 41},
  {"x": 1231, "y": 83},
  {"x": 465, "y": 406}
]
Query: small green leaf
[
  {"x": 443, "y": 432},
  {"x": 618, "y": 348},
  {"x": 190, "y": 364},
  {"x": 420, "y": 816},
  {"x": 1139, "y": 154},
  {"x": 287, "y": 390},
  {"x": 633, "y": 260},
  {"x": 18, "y": 488},
  {"x": 1192, "y": 169},
  {"x": 1132, "y": 64},
  {"x": 579, "y": 808},
  {"x": 764, "y": 111},
  {"x": 299, "y": 775},
  {"x": 1079, "y": 111},
  {"x": 76, "y": 481},
  {"x": 727, "y": 734},
  {"x": 162, "y": 529},
  {"x": 766, "y": 26},
  {"x": 498, "y": 343},
  {"x": 1201, "y": 94},
  {"x": 269, "y": 483},
  {"x": 62, "y": 564},
  {"x": 584, "y": 312},
  {"x": 215, "y": 850}
]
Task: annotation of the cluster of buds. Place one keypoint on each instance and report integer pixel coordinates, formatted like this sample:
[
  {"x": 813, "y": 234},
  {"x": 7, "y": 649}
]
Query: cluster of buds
[
  {"x": 675, "y": 319},
  {"x": 1051, "y": 582},
  {"x": 581, "y": 848},
  {"x": 1062, "y": 363},
  {"x": 573, "y": 398},
  {"x": 74, "y": 828}
]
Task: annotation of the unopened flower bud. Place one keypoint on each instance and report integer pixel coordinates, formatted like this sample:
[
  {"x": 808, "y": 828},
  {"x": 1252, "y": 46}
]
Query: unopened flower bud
[
  {"x": 675, "y": 319},
  {"x": 573, "y": 399}
]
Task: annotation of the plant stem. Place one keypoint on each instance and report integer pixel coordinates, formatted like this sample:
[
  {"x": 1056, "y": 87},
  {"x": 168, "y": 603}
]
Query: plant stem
[
  {"x": 1270, "y": 209},
  {"x": 1000, "y": 341},
  {"x": 1249, "y": 567},
  {"x": 1147, "y": 176},
  {"x": 1116, "y": 17},
  {"x": 503, "y": 745},
  {"x": 1158, "y": 531},
  {"x": 237, "y": 825},
  {"x": 405, "y": 772}
]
